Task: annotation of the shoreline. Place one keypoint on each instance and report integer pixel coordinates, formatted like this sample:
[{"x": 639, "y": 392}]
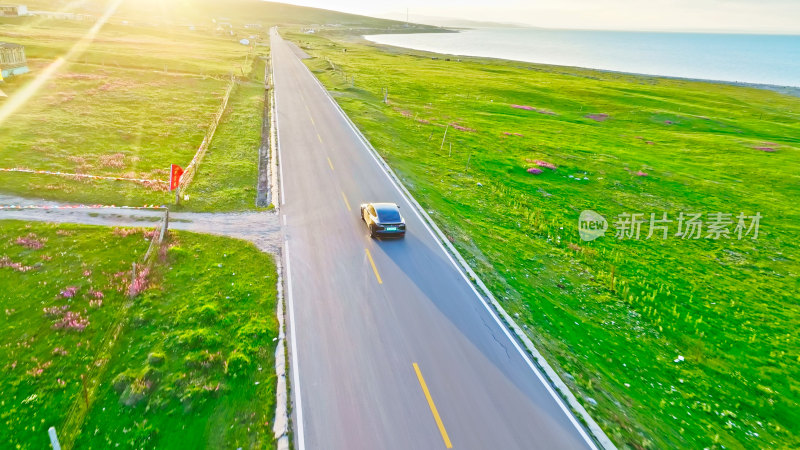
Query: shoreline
[{"x": 780, "y": 89}]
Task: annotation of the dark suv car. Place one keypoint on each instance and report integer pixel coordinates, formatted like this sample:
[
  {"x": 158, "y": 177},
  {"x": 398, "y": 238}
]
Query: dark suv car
[{"x": 383, "y": 219}]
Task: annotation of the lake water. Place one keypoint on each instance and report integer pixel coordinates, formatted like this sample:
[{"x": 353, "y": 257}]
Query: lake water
[{"x": 763, "y": 59}]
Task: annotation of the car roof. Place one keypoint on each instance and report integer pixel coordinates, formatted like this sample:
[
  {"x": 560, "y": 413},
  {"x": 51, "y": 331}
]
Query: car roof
[{"x": 380, "y": 207}]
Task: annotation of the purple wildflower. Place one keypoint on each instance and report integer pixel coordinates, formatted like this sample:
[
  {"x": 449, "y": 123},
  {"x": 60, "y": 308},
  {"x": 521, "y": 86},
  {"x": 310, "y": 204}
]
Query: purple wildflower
[
  {"x": 69, "y": 292},
  {"x": 534, "y": 171},
  {"x": 462, "y": 128},
  {"x": 600, "y": 117},
  {"x": 545, "y": 164},
  {"x": 140, "y": 283},
  {"x": 531, "y": 108},
  {"x": 71, "y": 321},
  {"x": 6, "y": 262},
  {"x": 55, "y": 311},
  {"x": 30, "y": 241}
]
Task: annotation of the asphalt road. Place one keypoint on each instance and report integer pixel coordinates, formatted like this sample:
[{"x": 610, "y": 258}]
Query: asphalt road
[{"x": 390, "y": 346}]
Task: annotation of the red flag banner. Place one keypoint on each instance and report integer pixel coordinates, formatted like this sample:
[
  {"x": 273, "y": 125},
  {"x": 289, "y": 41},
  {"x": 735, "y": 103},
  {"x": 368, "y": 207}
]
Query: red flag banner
[{"x": 175, "y": 172}]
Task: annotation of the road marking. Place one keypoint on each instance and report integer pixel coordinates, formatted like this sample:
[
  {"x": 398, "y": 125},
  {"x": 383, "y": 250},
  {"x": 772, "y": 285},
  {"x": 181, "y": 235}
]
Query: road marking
[
  {"x": 374, "y": 269},
  {"x": 309, "y": 113},
  {"x": 277, "y": 130},
  {"x": 330, "y": 163},
  {"x": 284, "y": 220},
  {"x": 301, "y": 445},
  {"x": 461, "y": 271},
  {"x": 435, "y": 412},
  {"x": 319, "y": 137},
  {"x": 346, "y": 203},
  {"x": 407, "y": 198}
]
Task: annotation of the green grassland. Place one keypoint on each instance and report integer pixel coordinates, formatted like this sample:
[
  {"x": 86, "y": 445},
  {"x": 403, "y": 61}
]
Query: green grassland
[
  {"x": 137, "y": 100},
  {"x": 141, "y": 96},
  {"x": 226, "y": 179},
  {"x": 612, "y": 315},
  {"x": 186, "y": 364}
]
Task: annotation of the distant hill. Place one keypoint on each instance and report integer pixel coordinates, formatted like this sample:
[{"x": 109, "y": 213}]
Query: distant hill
[
  {"x": 448, "y": 21},
  {"x": 236, "y": 12}
]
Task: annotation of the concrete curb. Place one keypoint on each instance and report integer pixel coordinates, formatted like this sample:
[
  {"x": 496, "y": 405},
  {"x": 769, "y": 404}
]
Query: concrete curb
[
  {"x": 274, "y": 194},
  {"x": 263, "y": 182},
  {"x": 280, "y": 426},
  {"x": 597, "y": 433}
]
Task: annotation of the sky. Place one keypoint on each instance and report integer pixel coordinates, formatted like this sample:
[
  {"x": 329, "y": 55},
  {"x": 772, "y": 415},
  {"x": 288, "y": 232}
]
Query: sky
[{"x": 749, "y": 16}]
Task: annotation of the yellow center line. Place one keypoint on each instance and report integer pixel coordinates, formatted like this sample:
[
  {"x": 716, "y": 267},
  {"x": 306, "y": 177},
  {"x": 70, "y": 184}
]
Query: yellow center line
[
  {"x": 374, "y": 269},
  {"x": 309, "y": 111},
  {"x": 330, "y": 163},
  {"x": 435, "y": 412},
  {"x": 346, "y": 203},
  {"x": 319, "y": 137}
]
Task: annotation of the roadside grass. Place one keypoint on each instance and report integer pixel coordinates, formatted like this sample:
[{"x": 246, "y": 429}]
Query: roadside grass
[
  {"x": 175, "y": 48},
  {"x": 226, "y": 179},
  {"x": 185, "y": 364},
  {"x": 612, "y": 315},
  {"x": 113, "y": 110}
]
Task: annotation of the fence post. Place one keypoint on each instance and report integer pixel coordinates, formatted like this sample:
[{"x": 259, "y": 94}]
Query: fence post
[
  {"x": 54, "y": 438},
  {"x": 133, "y": 280},
  {"x": 164, "y": 226}
]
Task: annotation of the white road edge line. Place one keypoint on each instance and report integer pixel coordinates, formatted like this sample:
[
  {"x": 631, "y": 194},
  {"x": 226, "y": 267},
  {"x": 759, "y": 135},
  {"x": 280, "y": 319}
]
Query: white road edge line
[
  {"x": 277, "y": 126},
  {"x": 406, "y": 196},
  {"x": 294, "y": 367},
  {"x": 301, "y": 445}
]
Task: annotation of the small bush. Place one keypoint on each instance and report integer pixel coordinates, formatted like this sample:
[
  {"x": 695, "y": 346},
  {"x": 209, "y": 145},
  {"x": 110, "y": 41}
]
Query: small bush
[
  {"x": 238, "y": 363},
  {"x": 208, "y": 314},
  {"x": 156, "y": 359}
]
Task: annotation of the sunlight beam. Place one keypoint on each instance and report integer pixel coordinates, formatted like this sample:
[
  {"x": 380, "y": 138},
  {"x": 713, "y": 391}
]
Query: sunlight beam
[{"x": 19, "y": 98}]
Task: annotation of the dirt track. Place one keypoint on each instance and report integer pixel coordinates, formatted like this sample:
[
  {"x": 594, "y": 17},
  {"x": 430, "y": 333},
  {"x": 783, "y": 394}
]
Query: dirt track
[{"x": 261, "y": 228}]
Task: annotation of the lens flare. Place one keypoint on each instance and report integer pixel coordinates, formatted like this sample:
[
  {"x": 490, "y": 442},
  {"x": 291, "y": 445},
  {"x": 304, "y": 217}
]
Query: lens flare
[{"x": 19, "y": 98}]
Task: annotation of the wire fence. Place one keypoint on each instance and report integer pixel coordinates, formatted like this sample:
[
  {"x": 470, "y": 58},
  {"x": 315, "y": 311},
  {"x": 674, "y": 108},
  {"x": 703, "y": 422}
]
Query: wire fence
[
  {"x": 191, "y": 169},
  {"x": 80, "y": 407}
]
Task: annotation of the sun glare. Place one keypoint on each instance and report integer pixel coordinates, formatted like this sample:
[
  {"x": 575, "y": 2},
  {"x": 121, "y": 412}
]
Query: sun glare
[{"x": 19, "y": 98}]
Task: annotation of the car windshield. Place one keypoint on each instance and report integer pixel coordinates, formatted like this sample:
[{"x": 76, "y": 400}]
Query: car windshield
[{"x": 388, "y": 215}]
